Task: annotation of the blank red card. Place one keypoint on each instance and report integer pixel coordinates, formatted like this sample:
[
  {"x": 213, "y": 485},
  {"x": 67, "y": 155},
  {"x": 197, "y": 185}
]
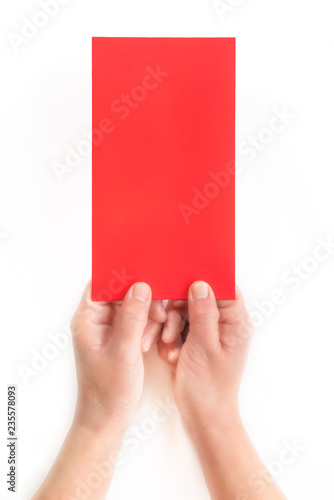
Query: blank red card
[{"x": 163, "y": 165}]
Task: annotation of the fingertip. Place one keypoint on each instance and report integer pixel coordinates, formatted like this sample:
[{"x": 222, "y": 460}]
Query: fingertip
[
  {"x": 200, "y": 290},
  {"x": 168, "y": 336},
  {"x": 173, "y": 354},
  {"x": 139, "y": 291},
  {"x": 165, "y": 334},
  {"x": 169, "y": 357}
]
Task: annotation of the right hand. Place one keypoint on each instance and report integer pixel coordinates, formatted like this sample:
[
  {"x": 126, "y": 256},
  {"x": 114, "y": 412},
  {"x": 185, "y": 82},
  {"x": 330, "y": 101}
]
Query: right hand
[{"x": 208, "y": 366}]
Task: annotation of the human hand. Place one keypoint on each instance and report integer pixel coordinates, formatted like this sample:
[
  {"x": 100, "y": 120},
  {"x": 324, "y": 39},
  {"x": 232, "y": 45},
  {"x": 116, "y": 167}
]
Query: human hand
[
  {"x": 208, "y": 366},
  {"x": 108, "y": 339},
  {"x": 208, "y": 358}
]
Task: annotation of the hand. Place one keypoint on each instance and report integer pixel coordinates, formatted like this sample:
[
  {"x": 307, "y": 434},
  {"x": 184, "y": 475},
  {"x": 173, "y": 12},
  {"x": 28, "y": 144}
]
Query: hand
[
  {"x": 208, "y": 356},
  {"x": 109, "y": 338},
  {"x": 208, "y": 366}
]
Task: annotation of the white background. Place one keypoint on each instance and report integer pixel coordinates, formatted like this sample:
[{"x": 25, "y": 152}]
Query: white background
[{"x": 284, "y": 204}]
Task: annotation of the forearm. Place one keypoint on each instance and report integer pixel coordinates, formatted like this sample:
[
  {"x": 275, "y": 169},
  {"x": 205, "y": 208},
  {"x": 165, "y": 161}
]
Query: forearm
[
  {"x": 231, "y": 465},
  {"x": 85, "y": 463}
]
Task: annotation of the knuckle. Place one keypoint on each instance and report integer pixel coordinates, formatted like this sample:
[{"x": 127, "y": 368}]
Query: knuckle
[
  {"x": 245, "y": 328},
  {"x": 203, "y": 314},
  {"x": 133, "y": 313},
  {"x": 205, "y": 350}
]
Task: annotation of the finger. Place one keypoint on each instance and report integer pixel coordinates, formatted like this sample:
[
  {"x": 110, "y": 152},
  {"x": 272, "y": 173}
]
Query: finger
[
  {"x": 157, "y": 312},
  {"x": 177, "y": 315},
  {"x": 173, "y": 326},
  {"x": 203, "y": 317},
  {"x": 237, "y": 302},
  {"x": 161, "y": 347},
  {"x": 162, "y": 352},
  {"x": 98, "y": 315},
  {"x": 173, "y": 350},
  {"x": 101, "y": 311},
  {"x": 132, "y": 316},
  {"x": 179, "y": 303},
  {"x": 236, "y": 326},
  {"x": 233, "y": 310},
  {"x": 156, "y": 317},
  {"x": 151, "y": 335}
]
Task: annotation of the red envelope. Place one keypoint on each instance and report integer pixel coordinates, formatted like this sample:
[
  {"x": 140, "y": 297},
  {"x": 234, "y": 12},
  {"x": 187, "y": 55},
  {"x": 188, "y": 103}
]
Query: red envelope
[{"x": 163, "y": 165}]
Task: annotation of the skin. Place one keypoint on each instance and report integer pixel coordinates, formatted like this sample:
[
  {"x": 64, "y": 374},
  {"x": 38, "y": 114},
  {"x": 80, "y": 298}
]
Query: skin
[
  {"x": 108, "y": 341},
  {"x": 206, "y": 344},
  {"x": 207, "y": 371}
]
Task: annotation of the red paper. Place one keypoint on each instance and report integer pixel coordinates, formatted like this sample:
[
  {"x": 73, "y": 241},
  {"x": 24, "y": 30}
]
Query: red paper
[{"x": 163, "y": 165}]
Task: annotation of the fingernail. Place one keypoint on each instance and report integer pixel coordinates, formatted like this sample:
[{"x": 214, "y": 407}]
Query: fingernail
[
  {"x": 141, "y": 291},
  {"x": 199, "y": 290}
]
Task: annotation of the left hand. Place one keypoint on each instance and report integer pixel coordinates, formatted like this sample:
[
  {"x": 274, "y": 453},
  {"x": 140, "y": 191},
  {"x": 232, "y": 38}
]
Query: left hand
[{"x": 109, "y": 339}]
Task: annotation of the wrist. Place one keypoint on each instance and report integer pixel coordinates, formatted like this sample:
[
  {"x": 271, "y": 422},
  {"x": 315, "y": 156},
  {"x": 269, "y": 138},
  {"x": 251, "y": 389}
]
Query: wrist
[
  {"x": 202, "y": 425},
  {"x": 101, "y": 424},
  {"x": 215, "y": 438},
  {"x": 104, "y": 440}
]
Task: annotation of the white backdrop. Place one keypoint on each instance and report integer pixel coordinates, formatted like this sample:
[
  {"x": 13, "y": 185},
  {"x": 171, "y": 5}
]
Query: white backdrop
[{"x": 284, "y": 208}]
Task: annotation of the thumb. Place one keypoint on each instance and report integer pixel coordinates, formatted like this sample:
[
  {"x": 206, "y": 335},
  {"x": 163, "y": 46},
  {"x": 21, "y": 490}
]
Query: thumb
[
  {"x": 132, "y": 316},
  {"x": 203, "y": 317}
]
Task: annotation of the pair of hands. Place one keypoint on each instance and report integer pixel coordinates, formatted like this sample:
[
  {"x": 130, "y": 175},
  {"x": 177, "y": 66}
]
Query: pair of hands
[{"x": 204, "y": 340}]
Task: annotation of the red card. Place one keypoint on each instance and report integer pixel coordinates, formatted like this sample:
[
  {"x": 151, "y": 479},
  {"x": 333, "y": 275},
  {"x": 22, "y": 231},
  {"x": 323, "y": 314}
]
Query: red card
[{"x": 163, "y": 165}]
